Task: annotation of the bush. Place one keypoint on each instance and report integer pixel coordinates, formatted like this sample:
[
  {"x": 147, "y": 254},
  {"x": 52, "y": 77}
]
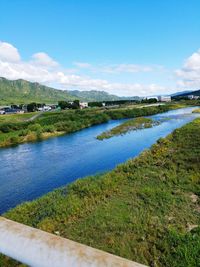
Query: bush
[
  {"x": 49, "y": 129},
  {"x": 14, "y": 140},
  {"x": 35, "y": 127}
]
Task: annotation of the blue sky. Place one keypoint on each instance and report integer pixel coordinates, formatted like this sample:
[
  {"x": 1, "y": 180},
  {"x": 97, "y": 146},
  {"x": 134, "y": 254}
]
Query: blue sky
[{"x": 126, "y": 47}]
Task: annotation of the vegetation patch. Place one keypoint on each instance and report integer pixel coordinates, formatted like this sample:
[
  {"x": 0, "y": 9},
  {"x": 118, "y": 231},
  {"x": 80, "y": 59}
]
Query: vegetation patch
[
  {"x": 146, "y": 209},
  {"x": 128, "y": 126},
  {"x": 196, "y": 110},
  {"x": 63, "y": 122}
]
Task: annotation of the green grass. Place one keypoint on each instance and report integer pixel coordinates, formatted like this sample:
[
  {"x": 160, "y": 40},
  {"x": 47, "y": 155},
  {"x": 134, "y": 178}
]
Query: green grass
[
  {"x": 130, "y": 125},
  {"x": 16, "y": 117},
  {"x": 143, "y": 210}
]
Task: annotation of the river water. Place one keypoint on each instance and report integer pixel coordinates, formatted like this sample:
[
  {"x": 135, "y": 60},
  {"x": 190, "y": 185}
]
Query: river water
[{"x": 33, "y": 169}]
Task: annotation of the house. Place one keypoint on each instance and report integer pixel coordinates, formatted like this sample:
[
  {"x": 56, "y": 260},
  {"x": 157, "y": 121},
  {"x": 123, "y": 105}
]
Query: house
[
  {"x": 53, "y": 106},
  {"x": 164, "y": 98},
  {"x": 193, "y": 97},
  {"x": 83, "y": 105},
  {"x": 190, "y": 97},
  {"x": 20, "y": 111},
  {"x": 44, "y": 108}
]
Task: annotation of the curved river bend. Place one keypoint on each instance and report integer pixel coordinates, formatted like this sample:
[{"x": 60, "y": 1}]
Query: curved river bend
[{"x": 33, "y": 169}]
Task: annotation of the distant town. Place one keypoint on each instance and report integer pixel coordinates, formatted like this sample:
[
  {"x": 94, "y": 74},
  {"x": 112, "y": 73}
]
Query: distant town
[{"x": 76, "y": 104}]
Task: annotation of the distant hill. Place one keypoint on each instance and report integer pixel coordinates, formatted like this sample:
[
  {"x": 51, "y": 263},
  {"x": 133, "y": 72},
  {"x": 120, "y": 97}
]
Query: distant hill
[
  {"x": 94, "y": 95},
  {"x": 22, "y": 91},
  {"x": 181, "y": 93},
  {"x": 185, "y": 94}
]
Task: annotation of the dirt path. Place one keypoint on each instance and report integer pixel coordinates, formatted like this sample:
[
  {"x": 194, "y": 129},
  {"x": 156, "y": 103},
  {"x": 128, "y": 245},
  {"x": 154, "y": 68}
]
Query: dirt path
[{"x": 35, "y": 117}]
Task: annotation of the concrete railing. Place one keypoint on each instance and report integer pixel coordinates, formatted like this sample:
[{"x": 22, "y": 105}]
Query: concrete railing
[{"x": 41, "y": 249}]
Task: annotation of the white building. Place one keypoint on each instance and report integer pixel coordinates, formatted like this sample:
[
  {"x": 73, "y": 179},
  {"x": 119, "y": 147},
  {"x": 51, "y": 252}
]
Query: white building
[
  {"x": 194, "y": 97},
  {"x": 83, "y": 105},
  {"x": 45, "y": 108},
  {"x": 164, "y": 98}
]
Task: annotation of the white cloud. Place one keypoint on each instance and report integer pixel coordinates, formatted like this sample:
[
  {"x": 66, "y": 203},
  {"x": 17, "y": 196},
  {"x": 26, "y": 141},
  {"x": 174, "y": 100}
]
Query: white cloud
[
  {"x": 43, "y": 59},
  {"x": 189, "y": 74},
  {"x": 42, "y": 68},
  {"x": 193, "y": 62},
  {"x": 130, "y": 89},
  {"x": 82, "y": 65},
  {"x": 8, "y": 52},
  {"x": 126, "y": 68},
  {"x": 114, "y": 68}
]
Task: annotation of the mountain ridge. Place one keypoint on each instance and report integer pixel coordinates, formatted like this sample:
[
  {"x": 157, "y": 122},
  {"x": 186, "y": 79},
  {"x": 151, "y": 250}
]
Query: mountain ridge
[
  {"x": 23, "y": 91},
  {"x": 181, "y": 93},
  {"x": 187, "y": 93}
]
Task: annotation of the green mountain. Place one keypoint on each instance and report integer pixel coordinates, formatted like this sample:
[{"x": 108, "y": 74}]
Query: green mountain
[
  {"x": 185, "y": 94},
  {"x": 94, "y": 95},
  {"x": 181, "y": 93},
  {"x": 22, "y": 91}
]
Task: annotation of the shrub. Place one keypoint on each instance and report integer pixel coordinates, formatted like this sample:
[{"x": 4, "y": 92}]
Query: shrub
[
  {"x": 14, "y": 140},
  {"x": 35, "y": 127}
]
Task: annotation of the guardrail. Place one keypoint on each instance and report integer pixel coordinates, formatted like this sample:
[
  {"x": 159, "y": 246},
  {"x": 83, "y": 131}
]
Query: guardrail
[{"x": 41, "y": 249}]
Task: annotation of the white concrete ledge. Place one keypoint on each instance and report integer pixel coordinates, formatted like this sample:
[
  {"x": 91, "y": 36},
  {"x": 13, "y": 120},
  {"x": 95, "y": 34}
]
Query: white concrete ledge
[{"x": 40, "y": 249}]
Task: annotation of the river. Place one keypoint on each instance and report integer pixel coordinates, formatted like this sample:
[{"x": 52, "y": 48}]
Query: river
[{"x": 33, "y": 169}]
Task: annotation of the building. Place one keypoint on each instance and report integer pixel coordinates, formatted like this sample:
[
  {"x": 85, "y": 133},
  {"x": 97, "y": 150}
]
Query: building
[
  {"x": 164, "y": 98},
  {"x": 193, "y": 97},
  {"x": 44, "y": 108},
  {"x": 83, "y": 105},
  {"x": 20, "y": 111}
]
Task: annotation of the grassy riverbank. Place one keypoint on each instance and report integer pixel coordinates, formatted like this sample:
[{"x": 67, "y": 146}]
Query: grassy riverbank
[
  {"x": 18, "y": 129},
  {"x": 196, "y": 110},
  {"x": 131, "y": 125},
  {"x": 146, "y": 209},
  {"x": 16, "y": 117}
]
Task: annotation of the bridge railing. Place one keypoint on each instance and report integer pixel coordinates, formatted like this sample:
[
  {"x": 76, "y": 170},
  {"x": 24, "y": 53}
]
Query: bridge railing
[{"x": 41, "y": 249}]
